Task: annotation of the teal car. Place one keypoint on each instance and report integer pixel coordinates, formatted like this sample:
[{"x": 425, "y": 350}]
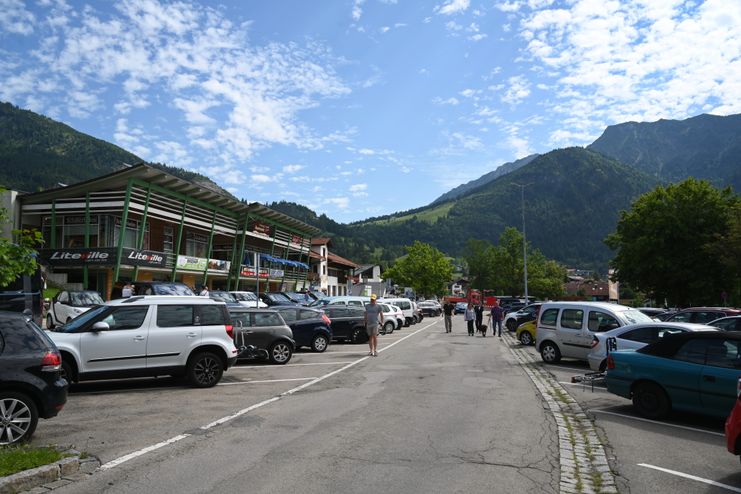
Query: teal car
[{"x": 693, "y": 372}]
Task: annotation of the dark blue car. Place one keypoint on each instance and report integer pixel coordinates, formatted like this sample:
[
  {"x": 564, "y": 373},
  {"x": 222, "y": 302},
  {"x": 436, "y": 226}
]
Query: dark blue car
[{"x": 311, "y": 327}]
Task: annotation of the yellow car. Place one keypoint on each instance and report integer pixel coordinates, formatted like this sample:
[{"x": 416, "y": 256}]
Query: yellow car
[{"x": 526, "y": 333}]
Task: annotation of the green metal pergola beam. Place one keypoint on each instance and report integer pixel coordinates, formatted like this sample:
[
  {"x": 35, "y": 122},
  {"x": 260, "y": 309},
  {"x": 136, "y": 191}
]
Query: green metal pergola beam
[
  {"x": 184, "y": 198},
  {"x": 54, "y": 224},
  {"x": 140, "y": 240},
  {"x": 180, "y": 238},
  {"x": 87, "y": 239},
  {"x": 210, "y": 248},
  {"x": 122, "y": 233}
]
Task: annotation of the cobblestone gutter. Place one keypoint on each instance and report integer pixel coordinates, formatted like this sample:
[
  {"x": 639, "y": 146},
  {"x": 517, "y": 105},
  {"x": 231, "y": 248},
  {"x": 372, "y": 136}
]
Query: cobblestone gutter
[{"x": 584, "y": 467}]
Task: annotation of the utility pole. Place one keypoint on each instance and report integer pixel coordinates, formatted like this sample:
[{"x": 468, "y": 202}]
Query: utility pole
[{"x": 524, "y": 237}]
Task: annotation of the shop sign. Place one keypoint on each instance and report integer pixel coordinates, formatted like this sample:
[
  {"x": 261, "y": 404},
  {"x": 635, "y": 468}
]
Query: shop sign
[
  {"x": 249, "y": 272},
  {"x": 79, "y": 257},
  {"x": 80, "y": 220},
  {"x": 145, "y": 258},
  {"x": 133, "y": 224},
  {"x": 188, "y": 263},
  {"x": 261, "y": 228},
  {"x": 276, "y": 273}
]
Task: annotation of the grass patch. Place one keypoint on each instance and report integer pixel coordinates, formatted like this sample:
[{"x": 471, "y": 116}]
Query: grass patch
[
  {"x": 428, "y": 215},
  {"x": 14, "y": 459}
]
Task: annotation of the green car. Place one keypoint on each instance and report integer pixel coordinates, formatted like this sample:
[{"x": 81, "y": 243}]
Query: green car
[{"x": 694, "y": 372}]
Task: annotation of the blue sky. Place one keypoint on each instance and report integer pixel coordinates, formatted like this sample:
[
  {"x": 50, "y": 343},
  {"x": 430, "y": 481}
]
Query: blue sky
[{"x": 359, "y": 108}]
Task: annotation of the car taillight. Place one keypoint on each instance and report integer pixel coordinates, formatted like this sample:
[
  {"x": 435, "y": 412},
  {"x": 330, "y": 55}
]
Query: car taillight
[
  {"x": 326, "y": 319},
  {"x": 610, "y": 362},
  {"x": 595, "y": 341},
  {"x": 52, "y": 362},
  {"x": 229, "y": 330}
]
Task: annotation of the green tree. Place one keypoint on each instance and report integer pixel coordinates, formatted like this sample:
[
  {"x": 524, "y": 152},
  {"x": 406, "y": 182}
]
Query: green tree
[
  {"x": 664, "y": 243},
  {"x": 479, "y": 257},
  {"x": 19, "y": 257},
  {"x": 424, "y": 268}
]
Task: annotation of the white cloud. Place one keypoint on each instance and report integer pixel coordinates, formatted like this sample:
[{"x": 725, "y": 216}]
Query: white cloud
[
  {"x": 452, "y": 7},
  {"x": 338, "y": 202},
  {"x": 292, "y": 168},
  {"x": 358, "y": 188},
  {"x": 261, "y": 179},
  {"x": 15, "y": 19},
  {"x": 357, "y": 9},
  {"x": 517, "y": 89}
]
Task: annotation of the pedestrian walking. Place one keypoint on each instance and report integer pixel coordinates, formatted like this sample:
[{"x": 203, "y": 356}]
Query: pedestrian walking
[
  {"x": 470, "y": 317},
  {"x": 373, "y": 320},
  {"x": 496, "y": 316},
  {"x": 448, "y": 308},
  {"x": 204, "y": 291},
  {"x": 479, "y": 310},
  {"x": 127, "y": 291}
]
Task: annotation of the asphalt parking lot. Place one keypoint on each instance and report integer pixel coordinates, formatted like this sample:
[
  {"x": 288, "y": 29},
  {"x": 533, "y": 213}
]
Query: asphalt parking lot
[
  {"x": 111, "y": 419},
  {"x": 685, "y": 453}
]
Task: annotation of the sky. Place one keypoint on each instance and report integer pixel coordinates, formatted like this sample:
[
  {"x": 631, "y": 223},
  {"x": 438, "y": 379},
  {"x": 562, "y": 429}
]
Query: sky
[{"x": 361, "y": 108}]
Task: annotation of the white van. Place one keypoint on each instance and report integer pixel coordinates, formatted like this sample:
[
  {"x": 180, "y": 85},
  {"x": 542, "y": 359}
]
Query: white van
[
  {"x": 352, "y": 300},
  {"x": 566, "y": 329},
  {"x": 406, "y": 307}
]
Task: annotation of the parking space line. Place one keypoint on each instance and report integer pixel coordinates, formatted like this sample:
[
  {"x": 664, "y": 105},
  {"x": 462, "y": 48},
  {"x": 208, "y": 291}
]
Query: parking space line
[
  {"x": 268, "y": 381},
  {"x": 692, "y": 477},
  {"x": 268, "y": 366},
  {"x": 641, "y": 419},
  {"x": 143, "y": 451}
]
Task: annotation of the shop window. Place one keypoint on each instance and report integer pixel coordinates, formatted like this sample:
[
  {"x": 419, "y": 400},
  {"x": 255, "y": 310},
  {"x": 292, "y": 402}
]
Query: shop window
[
  {"x": 196, "y": 244},
  {"x": 168, "y": 239}
]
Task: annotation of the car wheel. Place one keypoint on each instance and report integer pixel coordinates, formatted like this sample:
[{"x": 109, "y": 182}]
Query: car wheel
[
  {"x": 526, "y": 338},
  {"x": 18, "y": 418},
  {"x": 388, "y": 327},
  {"x": 651, "y": 401},
  {"x": 319, "y": 343},
  {"x": 280, "y": 353},
  {"x": 603, "y": 366},
  {"x": 49, "y": 321},
  {"x": 512, "y": 325},
  {"x": 67, "y": 371},
  {"x": 550, "y": 353},
  {"x": 204, "y": 370}
]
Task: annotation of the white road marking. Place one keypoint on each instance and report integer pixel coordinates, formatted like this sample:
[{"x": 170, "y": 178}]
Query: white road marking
[
  {"x": 268, "y": 366},
  {"x": 148, "y": 449},
  {"x": 641, "y": 419},
  {"x": 268, "y": 381},
  {"x": 692, "y": 477}
]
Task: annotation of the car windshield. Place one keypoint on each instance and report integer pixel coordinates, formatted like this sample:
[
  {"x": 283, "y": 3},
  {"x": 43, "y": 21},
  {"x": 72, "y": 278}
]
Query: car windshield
[
  {"x": 223, "y": 296},
  {"x": 278, "y": 297},
  {"x": 83, "y": 319},
  {"x": 172, "y": 289},
  {"x": 634, "y": 316},
  {"x": 245, "y": 296},
  {"x": 85, "y": 299},
  {"x": 319, "y": 303}
]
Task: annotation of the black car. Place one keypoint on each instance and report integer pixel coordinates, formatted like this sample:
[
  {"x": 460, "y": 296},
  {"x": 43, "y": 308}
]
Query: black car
[
  {"x": 429, "y": 309},
  {"x": 299, "y": 297},
  {"x": 264, "y": 329},
  {"x": 161, "y": 288},
  {"x": 311, "y": 327},
  {"x": 277, "y": 299},
  {"x": 31, "y": 385},
  {"x": 514, "y": 319},
  {"x": 348, "y": 323}
]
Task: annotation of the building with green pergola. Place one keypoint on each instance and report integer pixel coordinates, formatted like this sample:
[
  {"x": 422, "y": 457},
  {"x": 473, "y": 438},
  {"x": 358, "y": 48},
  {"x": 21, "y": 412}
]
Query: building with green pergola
[{"x": 144, "y": 224}]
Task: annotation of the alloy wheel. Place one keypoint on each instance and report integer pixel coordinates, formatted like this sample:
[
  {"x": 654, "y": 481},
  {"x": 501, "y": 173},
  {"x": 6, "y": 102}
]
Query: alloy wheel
[{"x": 16, "y": 419}]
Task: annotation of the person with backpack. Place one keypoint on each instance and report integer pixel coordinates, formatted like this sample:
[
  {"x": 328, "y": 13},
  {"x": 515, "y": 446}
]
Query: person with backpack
[{"x": 496, "y": 316}]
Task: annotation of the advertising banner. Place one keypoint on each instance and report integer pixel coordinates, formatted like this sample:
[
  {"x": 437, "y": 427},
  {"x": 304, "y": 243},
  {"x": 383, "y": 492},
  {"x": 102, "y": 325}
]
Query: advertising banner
[
  {"x": 192, "y": 263},
  {"x": 102, "y": 256},
  {"x": 249, "y": 272},
  {"x": 144, "y": 258}
]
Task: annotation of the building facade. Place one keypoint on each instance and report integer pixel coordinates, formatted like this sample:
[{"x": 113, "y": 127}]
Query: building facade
[
  {"x": 330, "y": 273},
  {"x": 143, "y": 224}
]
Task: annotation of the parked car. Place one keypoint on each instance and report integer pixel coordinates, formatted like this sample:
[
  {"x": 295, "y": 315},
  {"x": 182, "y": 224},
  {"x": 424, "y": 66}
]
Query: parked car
[
  {"x": 149, "y": 336},
  {"x": 654, "y": 312},
  {"x": 264, "y": 329},
  {"x": 226, "y": 297},
  {"x": 277, "y": 299},
  {"x": 311, "y": 327},
  {"x": 31, "y": 386},
  {"x": 732, "y": 323},
  {"x": 460, "y": 308},
  {"x": 695, "y": 372},
  {"x": 733, "y": 425},
  {"x": 429, "y": 309},
  {"x": 526, "y": 332},
  {"x": 513, "y": 319},
  {"x": 405, "y": 305},
  {"x": 565, "y": 329},
  {"x": 162, "y": 288},
  {"x": 249, "y": 299},
  {"x": 634, "y": 336},
  {"x": 299, "y": 297},
  {"x": 348, "y": 323},
  {"x": 417, "y": 313},
  {"x": 22, "y": 293},
  {"x": 702, "y": 315},
  {"x": 393, "y": 314},
  {"x": 355, "y": 300},
  {"x": 69, "y": 304}
]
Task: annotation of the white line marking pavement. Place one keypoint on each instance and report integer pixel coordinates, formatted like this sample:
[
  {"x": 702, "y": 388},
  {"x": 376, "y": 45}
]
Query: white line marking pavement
[
  {"x": 268, "y": 366},
  {"x": 641, "y": 419},
  {"x": 268, "y": 381},
  {"x": 143, "y": 451},
  {"x": 692, "y": 477}
]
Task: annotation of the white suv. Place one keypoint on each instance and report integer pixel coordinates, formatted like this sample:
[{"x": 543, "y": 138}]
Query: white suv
[{"x": 149, "y": 336}]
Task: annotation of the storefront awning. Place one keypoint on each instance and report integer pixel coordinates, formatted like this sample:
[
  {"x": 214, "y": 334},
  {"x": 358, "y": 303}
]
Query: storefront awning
[{"x": 287, "y": 262}]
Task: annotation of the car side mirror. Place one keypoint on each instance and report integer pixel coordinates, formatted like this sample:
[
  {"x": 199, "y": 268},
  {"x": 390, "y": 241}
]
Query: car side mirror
[{"x": 100, "y": 326}]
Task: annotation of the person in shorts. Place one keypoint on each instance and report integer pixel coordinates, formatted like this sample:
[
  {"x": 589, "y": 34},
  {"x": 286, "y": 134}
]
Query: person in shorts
[{"x": 373, "y": 320}]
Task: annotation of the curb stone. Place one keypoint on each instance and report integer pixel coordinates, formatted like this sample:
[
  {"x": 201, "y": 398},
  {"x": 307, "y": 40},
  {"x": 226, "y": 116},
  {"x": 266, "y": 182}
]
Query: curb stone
[
  {"x": 584, "y": 466},
  {"x": 49, "y": 477}
]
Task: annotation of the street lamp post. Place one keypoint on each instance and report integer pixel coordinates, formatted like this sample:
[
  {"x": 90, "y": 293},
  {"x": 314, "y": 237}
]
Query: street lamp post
[{"x": 524, "y": 237}]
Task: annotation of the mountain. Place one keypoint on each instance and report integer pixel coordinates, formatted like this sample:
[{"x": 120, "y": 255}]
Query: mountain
[
  {"x": 38, "y": 153},
  {"x": 484, "y": 179},
  {"x": 706, "y": 147}
]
